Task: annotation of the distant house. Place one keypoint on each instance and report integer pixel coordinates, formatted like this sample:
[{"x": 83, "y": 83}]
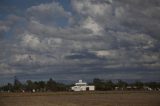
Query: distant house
[
  {"x": 82, "y": 86},
  {"x": 147, "y": 88}
]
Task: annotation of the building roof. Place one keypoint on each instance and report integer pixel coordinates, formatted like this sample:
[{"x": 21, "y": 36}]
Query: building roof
[{"x": 80, "y": 83}]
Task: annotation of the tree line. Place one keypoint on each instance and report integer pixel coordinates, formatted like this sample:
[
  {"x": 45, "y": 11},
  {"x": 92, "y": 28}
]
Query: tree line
[
  {"x": 34, "y": 86},
  {"x": 53, "y": 86},
  {"x": 104, "y": 85}
]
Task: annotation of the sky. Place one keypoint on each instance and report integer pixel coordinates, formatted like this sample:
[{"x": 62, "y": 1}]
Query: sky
[{"x": 68, "y": 40}]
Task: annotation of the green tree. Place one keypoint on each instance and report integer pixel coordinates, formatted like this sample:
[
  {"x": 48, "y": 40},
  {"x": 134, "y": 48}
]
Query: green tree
[
  {"x": 30, "y": 85},
  {"x": 8, "y": 87},
  {"x": 99, "y": 84},
  {"x": 138, "y": 84},
  {"x": 41, "y": 86},
  {"x": 153, "y": 85},
  {"x": 109, "y": 85},
  {"x": 51, "y": 85},
  {"x": 121, "y": 84},
  {"x": 17, "y": 84}
]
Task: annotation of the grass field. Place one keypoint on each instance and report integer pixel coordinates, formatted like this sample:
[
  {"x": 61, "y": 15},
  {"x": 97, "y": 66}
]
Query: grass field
[{"x": 110, "y": 98}]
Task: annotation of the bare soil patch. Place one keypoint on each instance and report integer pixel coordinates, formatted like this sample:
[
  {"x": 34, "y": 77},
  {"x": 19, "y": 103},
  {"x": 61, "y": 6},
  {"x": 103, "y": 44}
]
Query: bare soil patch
[{"x": 110, "y": 98}]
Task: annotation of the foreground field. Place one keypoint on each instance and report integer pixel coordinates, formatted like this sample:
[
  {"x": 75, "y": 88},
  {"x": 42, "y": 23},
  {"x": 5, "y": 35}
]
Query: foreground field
[{"x": 112, "y": 98}]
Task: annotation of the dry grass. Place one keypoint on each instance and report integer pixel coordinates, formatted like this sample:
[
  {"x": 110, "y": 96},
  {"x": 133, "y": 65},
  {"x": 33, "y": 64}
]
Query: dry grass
[{"x": 112, "y": 98}]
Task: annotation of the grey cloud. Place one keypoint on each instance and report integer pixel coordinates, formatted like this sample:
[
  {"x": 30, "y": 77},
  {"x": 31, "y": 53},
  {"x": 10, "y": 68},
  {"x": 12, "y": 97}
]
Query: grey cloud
[
  {"x": 48, "y": 14},
  {"x": 141, "y": 15},
  {"x": 83, "y": 55},
  {"x": 7, "y": 24},
  {"x": 79, "y": 38},
  {"x": 109, "y": 35}
]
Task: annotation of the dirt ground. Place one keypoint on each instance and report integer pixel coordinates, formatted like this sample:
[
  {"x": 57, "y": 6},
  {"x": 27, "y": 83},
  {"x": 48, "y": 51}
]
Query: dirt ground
[{"x": 111, "y": 98}]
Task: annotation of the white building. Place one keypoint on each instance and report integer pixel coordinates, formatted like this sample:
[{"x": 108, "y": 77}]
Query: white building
[{"x": 82, "y": 86}]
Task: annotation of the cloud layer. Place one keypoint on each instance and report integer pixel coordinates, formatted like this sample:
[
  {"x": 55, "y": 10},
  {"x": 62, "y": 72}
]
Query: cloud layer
[{"x": 96, "y": 38}]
